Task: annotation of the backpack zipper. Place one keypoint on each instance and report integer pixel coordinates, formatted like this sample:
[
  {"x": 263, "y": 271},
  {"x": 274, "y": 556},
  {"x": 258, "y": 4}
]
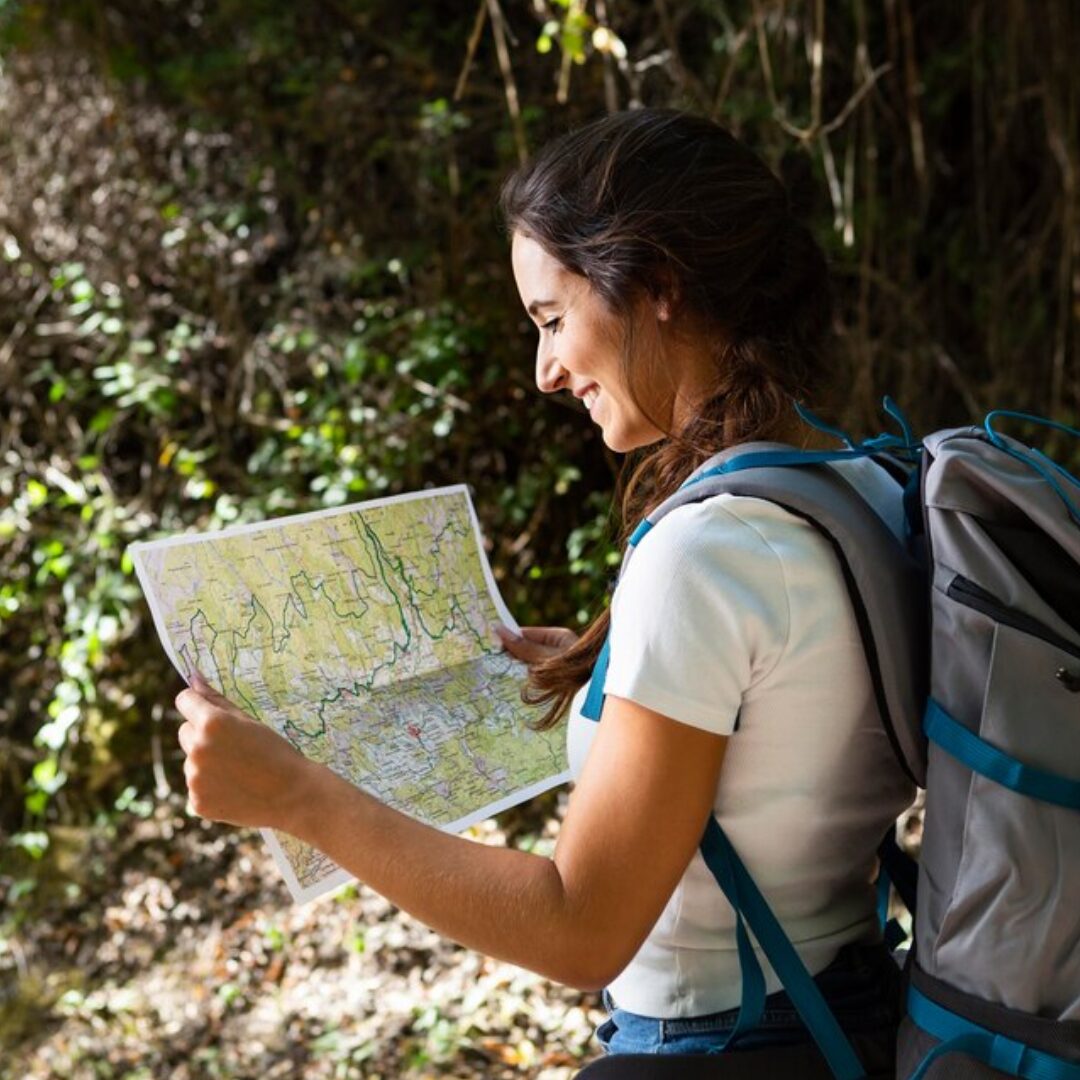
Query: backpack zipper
[{"x": 966, "y": 592}]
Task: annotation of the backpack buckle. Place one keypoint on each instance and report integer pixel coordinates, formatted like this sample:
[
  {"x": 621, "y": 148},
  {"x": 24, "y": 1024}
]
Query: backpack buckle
[{"x": 1069, "y": 679}]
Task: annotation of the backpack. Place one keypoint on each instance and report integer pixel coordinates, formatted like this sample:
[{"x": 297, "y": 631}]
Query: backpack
[{"x": 971, "y": 630}]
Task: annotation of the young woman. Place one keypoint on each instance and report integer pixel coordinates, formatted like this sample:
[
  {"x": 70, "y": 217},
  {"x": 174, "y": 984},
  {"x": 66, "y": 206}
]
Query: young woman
[{"x": 680, "y": 301}]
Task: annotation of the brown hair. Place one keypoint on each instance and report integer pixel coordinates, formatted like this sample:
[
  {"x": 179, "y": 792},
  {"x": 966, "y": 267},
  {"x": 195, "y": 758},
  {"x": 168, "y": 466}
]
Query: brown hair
[{"x": 652, "y": 203}]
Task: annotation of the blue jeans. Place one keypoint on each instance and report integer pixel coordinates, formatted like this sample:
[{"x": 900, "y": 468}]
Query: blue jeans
[{"x": 862, "y": 985}]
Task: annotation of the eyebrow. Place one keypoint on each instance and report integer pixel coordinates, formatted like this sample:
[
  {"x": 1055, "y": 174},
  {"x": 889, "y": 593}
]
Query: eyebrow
[{"x": 536, "y": 305}]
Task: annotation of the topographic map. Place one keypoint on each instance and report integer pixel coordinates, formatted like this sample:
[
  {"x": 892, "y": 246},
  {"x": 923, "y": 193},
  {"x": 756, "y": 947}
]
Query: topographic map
[{"x": 363, "y": 636}]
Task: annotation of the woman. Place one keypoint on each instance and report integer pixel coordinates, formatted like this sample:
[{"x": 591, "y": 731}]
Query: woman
[{"x": 680, "y": 301}]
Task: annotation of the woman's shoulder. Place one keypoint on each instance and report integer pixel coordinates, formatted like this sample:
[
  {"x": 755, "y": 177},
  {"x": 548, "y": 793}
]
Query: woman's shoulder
[
  {"x": 733, "y": 554},
  {"x": 724, "y": 552},
  {"x": 702, "y": 609}
]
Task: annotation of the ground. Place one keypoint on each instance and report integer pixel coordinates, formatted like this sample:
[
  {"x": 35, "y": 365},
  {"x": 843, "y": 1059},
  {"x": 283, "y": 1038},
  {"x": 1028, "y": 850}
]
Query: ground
[{"x": 160, "y": 946}]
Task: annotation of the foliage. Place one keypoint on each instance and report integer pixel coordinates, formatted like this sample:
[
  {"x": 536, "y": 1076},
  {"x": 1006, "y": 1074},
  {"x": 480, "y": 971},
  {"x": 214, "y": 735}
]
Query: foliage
[
  {"x": 248, "y": 267},
  {"x": 212, "y": 367}
]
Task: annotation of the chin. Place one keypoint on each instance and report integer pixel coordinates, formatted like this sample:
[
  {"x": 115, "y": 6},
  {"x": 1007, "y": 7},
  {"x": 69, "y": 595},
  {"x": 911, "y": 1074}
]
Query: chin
[{"x": 622, "y": 442}]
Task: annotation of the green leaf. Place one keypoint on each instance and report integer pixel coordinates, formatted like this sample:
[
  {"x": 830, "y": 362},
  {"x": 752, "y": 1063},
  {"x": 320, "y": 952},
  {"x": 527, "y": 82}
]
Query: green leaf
[
  {"x": 22, "y": 887},
  {"x": 45, "y": 772},
  {"x": 37, "y": 493},
  {"x": 102, "y": 420},
  {"x": 35, "y": 844}
]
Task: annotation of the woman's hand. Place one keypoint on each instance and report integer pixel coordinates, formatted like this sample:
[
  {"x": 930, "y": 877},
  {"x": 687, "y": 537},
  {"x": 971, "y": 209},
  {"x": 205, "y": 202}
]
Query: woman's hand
[
  {"x": 536, "y": 642},
  {"x": 238, "y": 770}
]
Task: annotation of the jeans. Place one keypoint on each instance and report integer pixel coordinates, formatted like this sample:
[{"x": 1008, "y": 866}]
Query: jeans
[{"x": 862, "y": 986}]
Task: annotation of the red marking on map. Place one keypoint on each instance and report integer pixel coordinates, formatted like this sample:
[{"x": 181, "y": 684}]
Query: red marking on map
[{"x": 413, "y": 730}]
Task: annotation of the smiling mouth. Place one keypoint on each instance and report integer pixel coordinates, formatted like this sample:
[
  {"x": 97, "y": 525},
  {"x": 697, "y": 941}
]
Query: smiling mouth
[{"x": 590, "y": 396}]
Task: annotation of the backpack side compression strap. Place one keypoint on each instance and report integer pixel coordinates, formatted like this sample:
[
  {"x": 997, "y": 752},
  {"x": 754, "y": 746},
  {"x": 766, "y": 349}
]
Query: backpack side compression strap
[
  {"x": 960, "y": 1036},
  {"x": 987, "y": 760},
  {"x": 746, "y": 898}
]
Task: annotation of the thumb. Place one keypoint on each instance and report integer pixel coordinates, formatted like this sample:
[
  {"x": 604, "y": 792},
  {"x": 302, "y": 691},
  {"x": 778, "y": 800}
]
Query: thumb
[
  {"x": 558, "y": 637},
  {"x": 521, "y": 648}
]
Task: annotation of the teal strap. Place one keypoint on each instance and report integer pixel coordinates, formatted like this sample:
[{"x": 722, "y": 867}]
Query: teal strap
[
  {"x": 904, "y": 443},
  {"x": 815, "y": 421},
  {"x": 961, "y": 1036},
  {"x": 897, "y": 414},
  {"x": 594, "y": 696},
  {"x": 1044, "y": 466},
  {"x": 745, "y": 897},
  {"x": 987, "y": 760},
  {"x": 752, "y": 997},
  {"x": 892, "y": 932},
  {"x": 757, "y": 459},
  {"x": 884, "y": 891}
]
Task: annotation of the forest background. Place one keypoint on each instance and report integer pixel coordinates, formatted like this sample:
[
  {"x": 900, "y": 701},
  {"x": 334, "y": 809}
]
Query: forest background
[{"x": 249, "y": 266}]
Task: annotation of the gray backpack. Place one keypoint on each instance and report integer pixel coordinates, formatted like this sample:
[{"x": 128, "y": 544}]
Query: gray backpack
[
  {"x": 971, "y": 629},
  {"x": 995, "y": 973}
]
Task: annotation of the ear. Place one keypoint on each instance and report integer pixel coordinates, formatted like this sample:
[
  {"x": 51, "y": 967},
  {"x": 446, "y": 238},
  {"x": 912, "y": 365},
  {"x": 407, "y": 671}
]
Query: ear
[{"x": 665, "y": 296}]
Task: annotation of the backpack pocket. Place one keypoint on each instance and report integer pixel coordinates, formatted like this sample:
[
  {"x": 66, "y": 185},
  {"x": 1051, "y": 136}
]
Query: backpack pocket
[{"x": 1011, "y": 930}]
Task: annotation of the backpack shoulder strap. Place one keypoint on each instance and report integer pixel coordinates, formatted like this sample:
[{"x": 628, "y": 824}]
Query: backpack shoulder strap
[{"x": 885, "y": 583}]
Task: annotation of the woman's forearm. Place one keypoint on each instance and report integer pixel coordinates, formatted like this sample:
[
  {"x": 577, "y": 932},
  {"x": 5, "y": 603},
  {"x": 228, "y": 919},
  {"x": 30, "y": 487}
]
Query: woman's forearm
[{"x": 505, "y": 903}]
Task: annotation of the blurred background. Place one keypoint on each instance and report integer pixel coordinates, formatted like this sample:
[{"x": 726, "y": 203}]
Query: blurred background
[{"x": 249, "y": 266}]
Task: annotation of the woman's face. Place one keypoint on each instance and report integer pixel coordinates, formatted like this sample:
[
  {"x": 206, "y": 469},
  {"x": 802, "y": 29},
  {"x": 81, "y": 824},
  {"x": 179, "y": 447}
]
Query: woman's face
[{"x": 579, "y": 348}]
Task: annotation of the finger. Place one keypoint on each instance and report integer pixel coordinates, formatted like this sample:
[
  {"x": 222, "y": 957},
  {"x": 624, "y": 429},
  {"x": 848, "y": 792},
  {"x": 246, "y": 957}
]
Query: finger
[
  {"x": 203, "y": 689},
  {"x": 529, "y": 651},
  {"x": 186, "y": 736},
  {"x": 201, "y": 686},
  {"x": 191, "y": 705},
  {"x": 197, "y": 681},
  {"x": 197, "y": 709}
]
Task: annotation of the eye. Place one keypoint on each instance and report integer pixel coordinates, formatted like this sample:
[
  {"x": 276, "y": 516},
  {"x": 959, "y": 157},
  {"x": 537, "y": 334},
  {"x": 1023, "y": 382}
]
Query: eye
[{"x": 552, "y": 325}]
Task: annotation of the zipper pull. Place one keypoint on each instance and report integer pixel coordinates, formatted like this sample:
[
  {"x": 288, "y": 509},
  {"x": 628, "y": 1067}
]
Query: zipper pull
[{"x": 1068, "y": 679}]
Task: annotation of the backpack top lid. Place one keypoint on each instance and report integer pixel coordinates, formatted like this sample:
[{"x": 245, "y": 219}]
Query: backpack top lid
[
  {"x": 1008, "y": 518},
  {"x": 885, "y": 582}
]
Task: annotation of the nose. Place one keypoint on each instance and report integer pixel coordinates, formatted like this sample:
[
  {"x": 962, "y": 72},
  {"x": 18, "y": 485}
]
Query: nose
[{"x": 550, "y": 374}]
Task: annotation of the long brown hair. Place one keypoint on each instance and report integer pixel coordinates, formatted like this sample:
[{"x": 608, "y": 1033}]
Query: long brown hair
[{"x": 653, "y": 203}]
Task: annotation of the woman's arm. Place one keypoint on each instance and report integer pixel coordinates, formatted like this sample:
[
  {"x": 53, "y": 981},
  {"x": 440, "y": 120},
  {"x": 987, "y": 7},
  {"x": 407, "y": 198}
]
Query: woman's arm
[{"x": 633, "y": 824}]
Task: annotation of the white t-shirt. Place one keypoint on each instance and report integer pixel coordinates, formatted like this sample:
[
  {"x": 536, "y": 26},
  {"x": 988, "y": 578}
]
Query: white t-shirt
[{"x": 733, "y": 610}]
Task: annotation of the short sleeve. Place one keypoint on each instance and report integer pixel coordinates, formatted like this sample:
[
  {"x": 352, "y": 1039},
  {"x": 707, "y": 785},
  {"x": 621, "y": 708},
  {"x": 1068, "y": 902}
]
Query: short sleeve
[{"x": 700, "y": 614}]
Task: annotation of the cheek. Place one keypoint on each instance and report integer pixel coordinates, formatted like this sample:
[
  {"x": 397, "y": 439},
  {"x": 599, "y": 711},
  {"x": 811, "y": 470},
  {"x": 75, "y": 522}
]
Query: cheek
[{"x": 604, "y": 364}]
